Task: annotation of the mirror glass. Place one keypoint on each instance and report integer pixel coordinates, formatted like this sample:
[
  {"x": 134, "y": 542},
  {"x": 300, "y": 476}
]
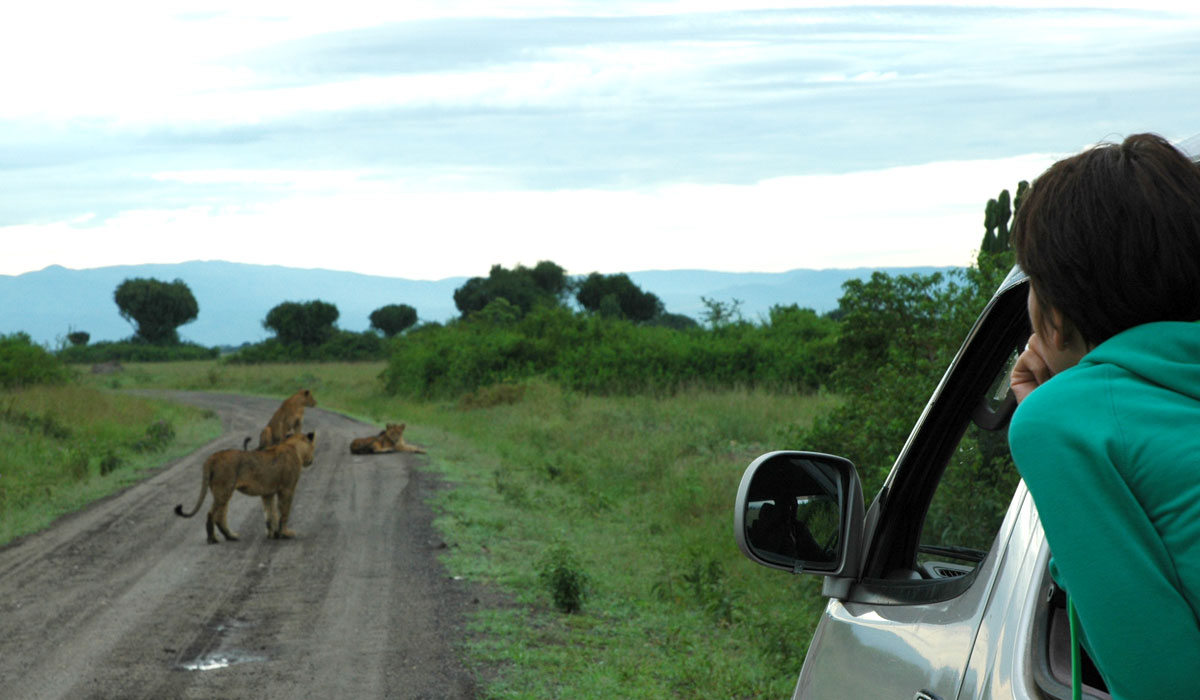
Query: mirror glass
[{"x": 793, "y": 511}]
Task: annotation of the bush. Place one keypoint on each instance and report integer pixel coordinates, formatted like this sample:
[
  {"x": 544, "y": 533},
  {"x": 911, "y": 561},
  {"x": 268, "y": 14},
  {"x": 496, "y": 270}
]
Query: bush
[
  {"x": 135, "y": 351},
  {"x": 110, "y": 462},
  {"x": 604, "y": 355},
  {"x": 560, "y": 573},
  {"x": 158, "y": 435},
  {"x": 341, "y": 346},
  {"x": 898, "y": 336},
  {"x": 45, "y": 424},
  {"x": 22, "y": 363}
]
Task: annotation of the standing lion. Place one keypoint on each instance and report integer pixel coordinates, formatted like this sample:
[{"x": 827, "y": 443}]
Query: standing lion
[
  {"x": 287, "y": 419},
  {"x": 272, "y": 473}
]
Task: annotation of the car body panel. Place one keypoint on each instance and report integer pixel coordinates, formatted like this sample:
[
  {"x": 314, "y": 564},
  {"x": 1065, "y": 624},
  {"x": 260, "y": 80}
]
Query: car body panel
[{"x": 867, "y": 651}]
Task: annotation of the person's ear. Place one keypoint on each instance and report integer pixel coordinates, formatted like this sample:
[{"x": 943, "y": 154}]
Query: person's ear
[{"x": 1061, "y": 333}]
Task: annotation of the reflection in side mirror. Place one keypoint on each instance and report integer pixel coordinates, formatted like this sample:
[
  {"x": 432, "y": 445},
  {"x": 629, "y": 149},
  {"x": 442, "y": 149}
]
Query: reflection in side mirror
[
  {"x": 800, "y": 511},
  {"x": 794, "y": 527}
]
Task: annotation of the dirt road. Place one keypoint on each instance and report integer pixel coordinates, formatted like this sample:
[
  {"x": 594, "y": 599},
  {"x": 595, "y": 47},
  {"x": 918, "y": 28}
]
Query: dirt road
[{"x": 126, "y": 600}]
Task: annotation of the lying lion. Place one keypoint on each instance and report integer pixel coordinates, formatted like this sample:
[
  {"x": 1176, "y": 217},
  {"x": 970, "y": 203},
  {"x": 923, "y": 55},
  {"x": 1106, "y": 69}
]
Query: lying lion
[
  {"x": 390, "y": 440},
  {"x": 271, "y": 473},
  {"x": 287, "y": 419}
]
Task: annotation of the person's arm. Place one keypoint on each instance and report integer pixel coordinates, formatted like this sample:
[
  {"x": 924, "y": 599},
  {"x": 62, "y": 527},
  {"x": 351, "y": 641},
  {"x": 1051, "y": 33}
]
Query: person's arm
[{"x": 1143, "y": 634}]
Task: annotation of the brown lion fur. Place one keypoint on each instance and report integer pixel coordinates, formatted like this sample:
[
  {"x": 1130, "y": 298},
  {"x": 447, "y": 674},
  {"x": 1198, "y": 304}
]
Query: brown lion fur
[
  {"x": 390, "y": 440},
  {"x": 272, "y": 473},
  {"x": 287, "y": 419}
]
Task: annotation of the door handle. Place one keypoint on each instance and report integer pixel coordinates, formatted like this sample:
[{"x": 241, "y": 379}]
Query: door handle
[{"x": 925, "y": 695}]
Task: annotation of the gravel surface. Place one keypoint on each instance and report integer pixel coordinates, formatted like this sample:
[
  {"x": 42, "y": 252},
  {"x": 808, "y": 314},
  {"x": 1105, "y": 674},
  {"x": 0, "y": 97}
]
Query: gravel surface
[{"x": 127, "y": 600}]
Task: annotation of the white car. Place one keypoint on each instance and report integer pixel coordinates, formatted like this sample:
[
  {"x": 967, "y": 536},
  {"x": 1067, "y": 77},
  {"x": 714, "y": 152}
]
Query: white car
[{"x": 922, "y": 603}]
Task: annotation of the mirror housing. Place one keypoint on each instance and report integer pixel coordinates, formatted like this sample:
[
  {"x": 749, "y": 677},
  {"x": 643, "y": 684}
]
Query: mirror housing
[{"x": 801, "y": 512}]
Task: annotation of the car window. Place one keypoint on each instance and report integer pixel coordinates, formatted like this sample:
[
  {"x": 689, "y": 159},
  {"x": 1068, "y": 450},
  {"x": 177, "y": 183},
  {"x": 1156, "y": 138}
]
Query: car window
[{"x": 974, "y": 493}]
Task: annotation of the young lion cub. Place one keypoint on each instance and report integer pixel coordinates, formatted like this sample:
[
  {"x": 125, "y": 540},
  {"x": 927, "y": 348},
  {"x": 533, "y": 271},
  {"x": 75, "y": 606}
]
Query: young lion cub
[
  {"x": 287, "y": 419},
  {"x": 271, "y": 473},
  {"x": 390, "y": 440}
]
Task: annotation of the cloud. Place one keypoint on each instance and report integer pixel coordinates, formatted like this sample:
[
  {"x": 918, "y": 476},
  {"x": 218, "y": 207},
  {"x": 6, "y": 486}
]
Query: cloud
[
  {"x": 918, "y": 215},
  {"x": 633, "y": 127}
]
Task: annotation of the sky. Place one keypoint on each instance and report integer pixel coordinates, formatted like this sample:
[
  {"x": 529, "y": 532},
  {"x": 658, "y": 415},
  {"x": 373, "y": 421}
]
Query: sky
[{"x": 435, "y": 139}]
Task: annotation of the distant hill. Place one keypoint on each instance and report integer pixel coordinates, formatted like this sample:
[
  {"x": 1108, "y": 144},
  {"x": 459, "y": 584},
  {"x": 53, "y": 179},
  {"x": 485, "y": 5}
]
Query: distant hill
[{"x": 234, "y": 298}]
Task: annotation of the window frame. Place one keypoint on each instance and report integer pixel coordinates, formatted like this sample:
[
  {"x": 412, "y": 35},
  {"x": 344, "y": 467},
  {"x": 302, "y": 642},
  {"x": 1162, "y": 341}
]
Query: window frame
[{"x": 896, "y": 518}]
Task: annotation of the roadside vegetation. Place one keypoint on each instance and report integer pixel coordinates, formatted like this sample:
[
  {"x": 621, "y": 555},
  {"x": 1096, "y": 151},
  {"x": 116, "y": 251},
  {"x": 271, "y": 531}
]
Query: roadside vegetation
[
  {"x": 594, "y": 451},
  {"x": 64, "y": 444}
]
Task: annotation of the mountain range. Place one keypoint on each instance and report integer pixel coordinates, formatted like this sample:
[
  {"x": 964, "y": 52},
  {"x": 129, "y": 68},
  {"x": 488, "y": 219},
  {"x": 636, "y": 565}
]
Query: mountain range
[{"x": 234, "y": 298}]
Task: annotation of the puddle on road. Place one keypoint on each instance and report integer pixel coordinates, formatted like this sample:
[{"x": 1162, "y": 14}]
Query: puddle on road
[
  {"x": 211, "y": 662},
  {"x": 223, "y": 656}
]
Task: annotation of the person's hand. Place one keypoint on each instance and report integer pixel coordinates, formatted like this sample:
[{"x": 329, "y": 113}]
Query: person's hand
[{"x": 1031, "y": 370}]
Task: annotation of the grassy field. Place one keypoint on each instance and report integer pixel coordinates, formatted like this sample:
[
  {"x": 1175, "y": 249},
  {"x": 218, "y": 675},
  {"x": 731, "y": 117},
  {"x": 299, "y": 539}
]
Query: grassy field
[
  {"x": 62, "y": 447},
  {"x": 621, "y": 507}
]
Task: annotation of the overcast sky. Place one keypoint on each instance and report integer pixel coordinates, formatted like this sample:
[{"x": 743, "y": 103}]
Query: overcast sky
[{"x": 435, "y": 139}]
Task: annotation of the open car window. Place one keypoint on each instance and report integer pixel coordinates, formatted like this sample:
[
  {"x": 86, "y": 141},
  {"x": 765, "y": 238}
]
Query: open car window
[
  {"x": 947, "y": 497},
  {"x": 973, "y": 495}
]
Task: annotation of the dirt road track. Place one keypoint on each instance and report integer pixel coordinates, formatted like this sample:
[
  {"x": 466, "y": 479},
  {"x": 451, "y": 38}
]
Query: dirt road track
[{"x": 126, "y": 600}]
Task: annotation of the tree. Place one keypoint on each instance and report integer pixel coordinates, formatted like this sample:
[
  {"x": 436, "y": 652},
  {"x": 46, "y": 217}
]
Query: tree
[
  {"x": 79, "y": 337},
  {"x": 156, "y": 308},
  {"x": 679, "y": 322},
  {"x": 617, "y": 294},
  {"x": 306, "y": 323},
  {"x": 551, "y": 279},
  {"x": 719, "y": 314},
  {"x": 996, "y": 215},
  {"x": 523, "y": 287},
  {"x": 393, "y": 319}
]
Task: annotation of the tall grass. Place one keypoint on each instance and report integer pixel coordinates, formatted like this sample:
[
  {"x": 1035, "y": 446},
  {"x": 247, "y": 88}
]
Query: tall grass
[
  {"x": 618, "y": 508},
  {"x": 63, "y": 446}
]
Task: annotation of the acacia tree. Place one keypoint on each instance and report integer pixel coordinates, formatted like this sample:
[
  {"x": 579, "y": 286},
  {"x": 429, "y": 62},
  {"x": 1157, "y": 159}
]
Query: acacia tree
[
  {"x": 393, "y": 319},
  {"x": 156, "y": 308},
  {"x": 307, "y": 323},
  {"x": 612, "y": 295},
  {"x": 544, "y": 284}
]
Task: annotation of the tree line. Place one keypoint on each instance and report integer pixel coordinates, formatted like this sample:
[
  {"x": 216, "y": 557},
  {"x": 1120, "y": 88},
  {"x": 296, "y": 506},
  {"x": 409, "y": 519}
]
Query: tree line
[
  {"x": 602, "y": 333},
  {"x": 305, "y": 330}
]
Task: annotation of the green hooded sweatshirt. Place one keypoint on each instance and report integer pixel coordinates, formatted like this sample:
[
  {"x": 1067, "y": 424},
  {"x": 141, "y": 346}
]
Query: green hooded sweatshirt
[{"x": 1110, "y": 450}]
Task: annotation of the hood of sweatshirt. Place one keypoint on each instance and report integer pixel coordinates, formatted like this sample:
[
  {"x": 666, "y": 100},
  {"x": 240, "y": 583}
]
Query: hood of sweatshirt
[{"x": 1166, "y": 353}]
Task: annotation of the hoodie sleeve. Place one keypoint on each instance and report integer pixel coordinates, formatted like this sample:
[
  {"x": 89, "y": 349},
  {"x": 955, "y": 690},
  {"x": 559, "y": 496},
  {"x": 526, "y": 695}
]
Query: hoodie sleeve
[{"x": 1142, "y": 632}]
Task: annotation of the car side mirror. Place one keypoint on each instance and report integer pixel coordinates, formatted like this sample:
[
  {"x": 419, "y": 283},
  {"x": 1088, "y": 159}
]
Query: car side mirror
[{"x": 801, "y": 512}]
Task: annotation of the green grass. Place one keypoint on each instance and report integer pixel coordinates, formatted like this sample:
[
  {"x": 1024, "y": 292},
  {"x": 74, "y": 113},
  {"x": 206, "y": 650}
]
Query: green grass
[
  {"x": 631, "y": 497},
  {"x": 62, "y": 447}
]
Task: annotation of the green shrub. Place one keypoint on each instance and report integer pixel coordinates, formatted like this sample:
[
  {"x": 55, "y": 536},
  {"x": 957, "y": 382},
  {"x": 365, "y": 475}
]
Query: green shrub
[
  {"x": 135, "y": 351},
  {"x": 158, "y": 435},
  {"x": 22, "y": 363},
  {"x": 45, "y": 424},
  {"x": 561, "y": 575},
  {"x": 898, "y": 335},
  {"x": 596, "y": 354},
  {"x": 110, "y": 462},
  {"x": 341, "y": 346}
]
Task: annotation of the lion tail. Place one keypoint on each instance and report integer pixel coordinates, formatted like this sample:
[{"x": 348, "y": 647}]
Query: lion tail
[{"x": 207, "y": 474}]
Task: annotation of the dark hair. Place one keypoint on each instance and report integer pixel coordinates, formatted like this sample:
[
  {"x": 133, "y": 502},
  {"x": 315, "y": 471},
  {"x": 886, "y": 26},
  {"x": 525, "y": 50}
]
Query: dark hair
[{"x": 1111, "y": 237}]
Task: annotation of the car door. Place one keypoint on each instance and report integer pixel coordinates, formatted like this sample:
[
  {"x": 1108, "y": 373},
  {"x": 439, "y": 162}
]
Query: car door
[
  {"x": 908, "y": 604},
  {"x": 934, "y": 554}
]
